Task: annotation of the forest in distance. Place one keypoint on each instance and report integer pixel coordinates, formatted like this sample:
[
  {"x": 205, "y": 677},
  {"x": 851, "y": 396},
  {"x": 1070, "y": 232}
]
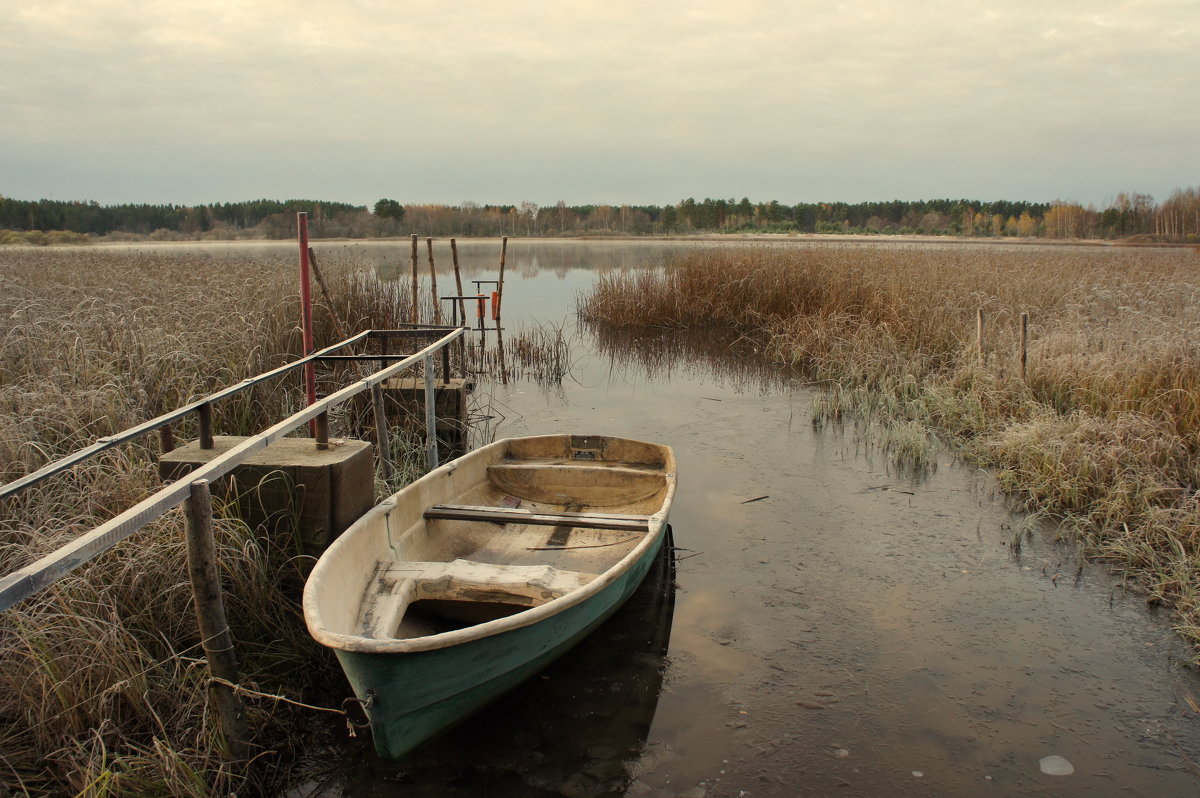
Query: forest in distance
[{"x": 1128, "y": 216}]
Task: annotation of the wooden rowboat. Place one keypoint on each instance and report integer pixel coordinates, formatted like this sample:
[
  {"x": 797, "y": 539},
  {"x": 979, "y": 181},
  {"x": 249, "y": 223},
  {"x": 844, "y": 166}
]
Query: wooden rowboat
[{"x": 482, "y": 572}]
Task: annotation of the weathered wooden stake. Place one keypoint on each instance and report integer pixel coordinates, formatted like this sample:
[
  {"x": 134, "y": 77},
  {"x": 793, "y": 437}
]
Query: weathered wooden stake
[
  {"x": 462, "y": 310},
  {"x": 333, "y": 314},
  {"x": 431, "y": 444},
  {"x": 306, "y": 317},
  {"x": 437, "y": 303},
  {"x": 210, "y": 615},
  {"x": 321, "y": 430},
  {"x": 979, "y": 335},
  {"x": 500, "y": 353},
  {"x": 415, "y": 320},
  {"x": 382, "y": 441},
  {"x": 166, "y": 438},
  {"x": 500, "y": 282},
  {"x": 1024, "y": 343},
  {"x": 204, "y": 413}
]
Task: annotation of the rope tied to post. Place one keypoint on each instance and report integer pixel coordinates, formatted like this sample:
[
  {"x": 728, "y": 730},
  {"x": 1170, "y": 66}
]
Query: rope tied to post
[{"x": 353, "y": 724}]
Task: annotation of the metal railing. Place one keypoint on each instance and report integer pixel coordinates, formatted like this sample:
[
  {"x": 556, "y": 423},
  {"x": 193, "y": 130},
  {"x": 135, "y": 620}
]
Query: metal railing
[{"x": 25, "y": 582}]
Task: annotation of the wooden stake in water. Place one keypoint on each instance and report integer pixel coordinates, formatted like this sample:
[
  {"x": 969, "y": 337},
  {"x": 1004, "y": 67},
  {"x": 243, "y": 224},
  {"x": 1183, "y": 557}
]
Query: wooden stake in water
[
  {"x": 500, "y": 281},
  {"x": 210, "y": 615},
  {"x": 1024, "y": 343},
  {"x": 462, "y": 310},
  {"x": 415, "y": 320},
  {"x": 437, "y": 303},
  {"x": 979, "y": 335}
]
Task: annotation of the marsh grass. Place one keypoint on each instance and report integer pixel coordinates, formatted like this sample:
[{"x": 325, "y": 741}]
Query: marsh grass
[
  {"x": 1103, "y": 434},
  {"x": 102, "y": 681}
]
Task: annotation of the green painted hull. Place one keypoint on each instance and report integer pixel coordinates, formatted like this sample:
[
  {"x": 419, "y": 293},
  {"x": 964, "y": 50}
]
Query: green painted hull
[{"x": 419, "y": 694}]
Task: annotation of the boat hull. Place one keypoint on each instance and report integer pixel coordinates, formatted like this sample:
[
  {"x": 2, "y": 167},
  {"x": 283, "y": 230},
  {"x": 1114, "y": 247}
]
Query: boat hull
[{"x": 418, "y": 694}]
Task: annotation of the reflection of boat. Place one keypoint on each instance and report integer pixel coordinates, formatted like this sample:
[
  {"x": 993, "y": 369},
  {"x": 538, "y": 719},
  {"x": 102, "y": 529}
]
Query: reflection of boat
[{"x": 483, "y": 571}]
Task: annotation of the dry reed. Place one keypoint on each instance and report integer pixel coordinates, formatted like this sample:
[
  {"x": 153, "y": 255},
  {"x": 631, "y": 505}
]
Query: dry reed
[
  {"x": 1105, "y": 431},
  {"x": 102, "y": 689}
]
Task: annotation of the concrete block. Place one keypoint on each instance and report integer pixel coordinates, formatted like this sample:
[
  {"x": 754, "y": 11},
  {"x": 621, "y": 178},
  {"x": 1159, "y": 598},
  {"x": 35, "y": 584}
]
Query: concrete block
[{"x": 291, "y": 486}]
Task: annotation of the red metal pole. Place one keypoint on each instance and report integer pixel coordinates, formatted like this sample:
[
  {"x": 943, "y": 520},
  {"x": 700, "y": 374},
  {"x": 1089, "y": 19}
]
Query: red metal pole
[{"x": 306, "y": 317}]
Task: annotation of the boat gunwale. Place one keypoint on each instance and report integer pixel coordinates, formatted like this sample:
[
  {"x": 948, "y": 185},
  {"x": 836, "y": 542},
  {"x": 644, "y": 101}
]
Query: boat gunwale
[{"x": 357, "y": 643}]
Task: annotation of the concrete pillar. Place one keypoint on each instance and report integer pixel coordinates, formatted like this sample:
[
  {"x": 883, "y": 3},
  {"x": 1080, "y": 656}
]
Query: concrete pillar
[{"x": 291, "y": 485}]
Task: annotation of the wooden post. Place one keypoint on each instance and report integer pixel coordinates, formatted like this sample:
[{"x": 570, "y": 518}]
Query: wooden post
[
  {"x": 462, "y": 310},
  {"x": 500, "y": 282},
  {"x": 500, "y": 354},
  {"x": 437, "y": 303},
  {"x": 979, "y": 335},
  {"x": 1024, "y": 343},
  {"x": 321, "y": 430},
  {"x": 204, "y": 414},
  {"x": 430, "y": 415},
  {"x": 382, "y": 441},
  {"x": 210, "y": 615},
  {"x": 414, "y": 279},
  {"x": 166, "y": 438},
  {"x": 306, "y": 319},
  {"x": 333, "y": 314}
]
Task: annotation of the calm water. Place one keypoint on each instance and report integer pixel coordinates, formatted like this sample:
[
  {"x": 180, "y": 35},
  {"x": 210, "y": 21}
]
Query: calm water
[{"x": 855, "y": 631}]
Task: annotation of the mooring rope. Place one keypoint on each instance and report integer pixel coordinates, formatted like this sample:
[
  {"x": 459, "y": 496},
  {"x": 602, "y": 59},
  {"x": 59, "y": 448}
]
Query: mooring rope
[{"x": 352, "y": 723}]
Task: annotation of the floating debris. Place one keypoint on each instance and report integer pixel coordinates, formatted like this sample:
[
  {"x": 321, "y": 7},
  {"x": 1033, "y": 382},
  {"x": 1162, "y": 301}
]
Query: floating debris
[{"x": 1055, "y": 765}]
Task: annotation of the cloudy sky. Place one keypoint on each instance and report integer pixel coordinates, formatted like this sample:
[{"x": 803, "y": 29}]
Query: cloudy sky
[{"x": 588, "y": 101}]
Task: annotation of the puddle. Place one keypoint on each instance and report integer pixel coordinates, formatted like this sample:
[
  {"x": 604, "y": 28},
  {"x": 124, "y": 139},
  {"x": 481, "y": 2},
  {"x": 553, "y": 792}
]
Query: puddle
[{"x": 859, "y": 631}]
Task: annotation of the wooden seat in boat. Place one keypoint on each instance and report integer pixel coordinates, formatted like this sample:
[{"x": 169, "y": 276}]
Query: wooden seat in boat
[
  {"x": 592, "y": 484},
  {"x": 507, "y": 515},
  {"x": 397, "y": 584}
]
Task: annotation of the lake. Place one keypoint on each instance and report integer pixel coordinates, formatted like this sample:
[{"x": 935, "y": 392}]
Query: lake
[{"x": 836, "y": 625}]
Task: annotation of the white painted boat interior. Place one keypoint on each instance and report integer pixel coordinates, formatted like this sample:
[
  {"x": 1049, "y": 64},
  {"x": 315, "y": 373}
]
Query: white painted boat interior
[{"x": 508, "y": 527}]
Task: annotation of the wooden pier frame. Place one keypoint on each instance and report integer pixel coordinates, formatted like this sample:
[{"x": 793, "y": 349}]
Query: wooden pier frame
[{"x": 25, "y": 582}]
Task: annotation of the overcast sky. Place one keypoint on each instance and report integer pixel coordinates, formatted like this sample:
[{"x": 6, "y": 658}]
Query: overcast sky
[{"x": 614, "y": 101}]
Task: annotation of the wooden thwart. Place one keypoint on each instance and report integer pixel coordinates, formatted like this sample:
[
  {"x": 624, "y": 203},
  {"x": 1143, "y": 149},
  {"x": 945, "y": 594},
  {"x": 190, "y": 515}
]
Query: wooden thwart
[{"x": 504, "y": 515}]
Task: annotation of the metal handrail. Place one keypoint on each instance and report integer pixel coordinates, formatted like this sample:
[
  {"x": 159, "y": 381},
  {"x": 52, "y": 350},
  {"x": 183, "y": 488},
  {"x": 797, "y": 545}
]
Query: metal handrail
[
  {"x": 25, "y": 582},
  {"x": 109, "y": 441},
  {"x": 75, "y": 458}
]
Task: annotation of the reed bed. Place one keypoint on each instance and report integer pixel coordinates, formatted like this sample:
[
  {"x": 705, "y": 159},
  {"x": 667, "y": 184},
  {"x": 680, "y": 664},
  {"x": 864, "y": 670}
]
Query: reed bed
[
  {"x": 102, "y": 683},
  {"x": 1103, "y": 431}
]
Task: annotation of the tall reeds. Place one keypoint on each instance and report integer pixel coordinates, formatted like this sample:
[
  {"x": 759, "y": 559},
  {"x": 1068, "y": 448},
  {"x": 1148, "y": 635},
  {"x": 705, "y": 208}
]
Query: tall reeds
[
  {"x": 1104, "y": 431},
  {"x": 102, "y": 686}
]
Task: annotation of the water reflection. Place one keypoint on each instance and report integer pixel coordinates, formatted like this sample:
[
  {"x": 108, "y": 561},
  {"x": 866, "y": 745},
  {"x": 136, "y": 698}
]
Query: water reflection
[{"x": 576, "y": 730}]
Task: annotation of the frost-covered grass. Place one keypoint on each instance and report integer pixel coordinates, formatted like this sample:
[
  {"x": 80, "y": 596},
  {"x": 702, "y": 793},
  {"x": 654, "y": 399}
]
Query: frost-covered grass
[{"x": 102, "y": 683}]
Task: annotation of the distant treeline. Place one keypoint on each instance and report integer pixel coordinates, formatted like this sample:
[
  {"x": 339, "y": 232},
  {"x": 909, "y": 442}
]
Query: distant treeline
[{"x": 1128, "y": 215}]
